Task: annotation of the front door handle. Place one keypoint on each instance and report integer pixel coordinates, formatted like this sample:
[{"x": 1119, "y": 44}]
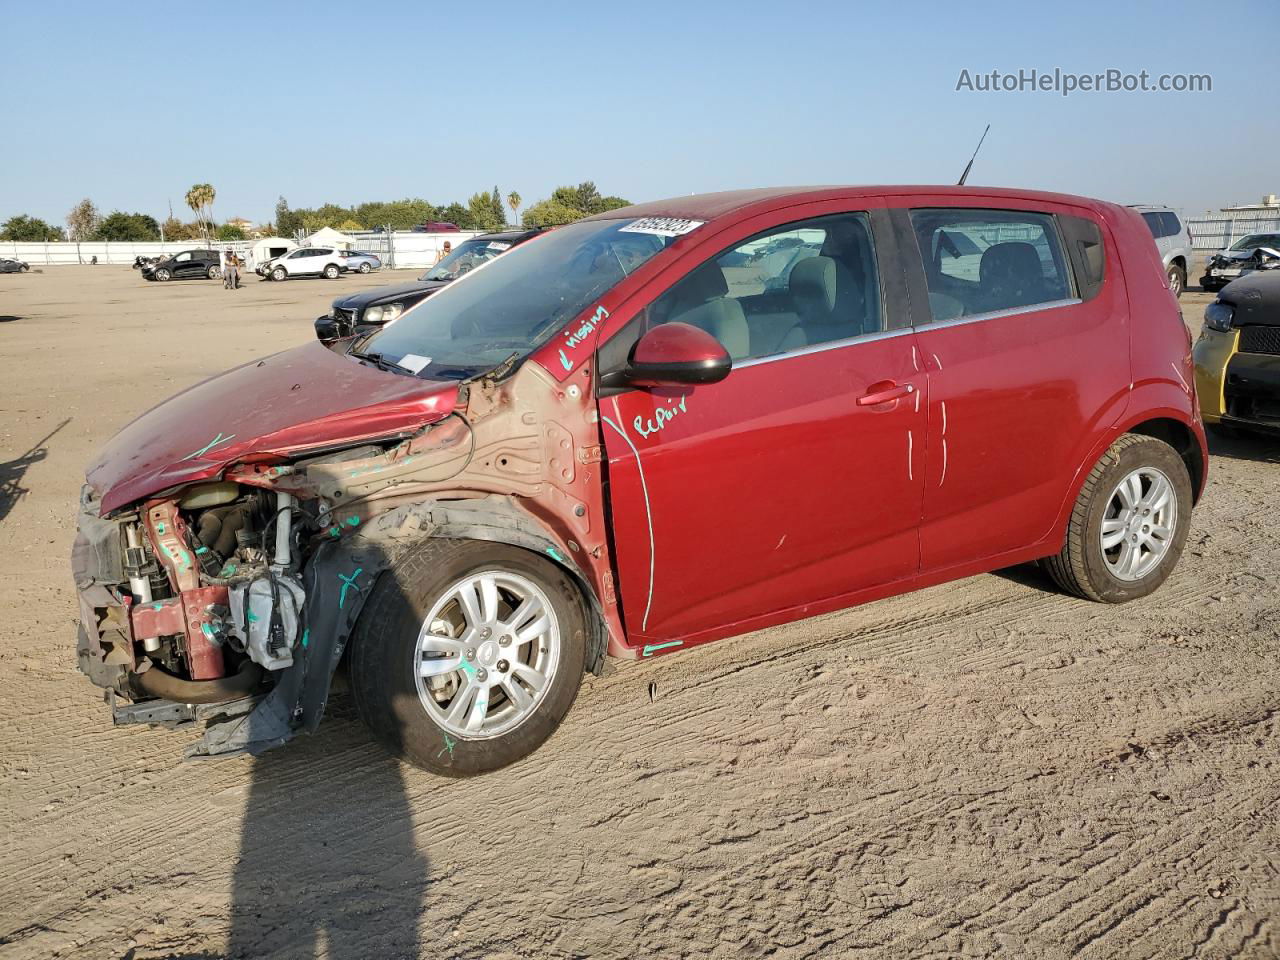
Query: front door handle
[{"x": 885, "y": 392}]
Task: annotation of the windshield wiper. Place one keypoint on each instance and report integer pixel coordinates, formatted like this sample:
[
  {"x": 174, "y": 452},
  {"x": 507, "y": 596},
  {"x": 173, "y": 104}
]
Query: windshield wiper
[{"x": 382, "y": 363}]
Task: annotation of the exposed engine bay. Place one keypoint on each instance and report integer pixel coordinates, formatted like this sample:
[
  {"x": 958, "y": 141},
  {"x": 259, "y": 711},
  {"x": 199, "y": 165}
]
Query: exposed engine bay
[{"x": 231, "y": 599}]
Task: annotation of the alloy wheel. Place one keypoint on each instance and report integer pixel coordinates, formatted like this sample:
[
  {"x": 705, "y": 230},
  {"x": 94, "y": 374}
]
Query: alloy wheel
[
  {"x": 486, "y": 654},
  {"x": 1139, "y": 523}
]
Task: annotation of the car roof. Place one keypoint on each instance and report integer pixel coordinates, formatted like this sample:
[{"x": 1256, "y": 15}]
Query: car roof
[{"x": 709, "y": 206}]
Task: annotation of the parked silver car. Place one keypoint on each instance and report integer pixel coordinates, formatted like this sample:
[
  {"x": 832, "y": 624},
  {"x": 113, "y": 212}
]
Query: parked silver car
[
  {"x": 1258, "y": 251},
  {"x": 360, "y": 261},
  {"x": 1172, "y": 240}
]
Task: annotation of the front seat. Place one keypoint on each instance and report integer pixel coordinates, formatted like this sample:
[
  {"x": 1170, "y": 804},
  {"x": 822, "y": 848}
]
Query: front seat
[
  {"x": 829, "y": 303},
  {"x": 1010, "y": 275},
  {"x": 702, "y": 301}
]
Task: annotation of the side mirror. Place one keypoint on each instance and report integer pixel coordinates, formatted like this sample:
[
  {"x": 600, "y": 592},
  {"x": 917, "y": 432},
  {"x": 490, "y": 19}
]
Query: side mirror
[{"x": 673, "y": 354}]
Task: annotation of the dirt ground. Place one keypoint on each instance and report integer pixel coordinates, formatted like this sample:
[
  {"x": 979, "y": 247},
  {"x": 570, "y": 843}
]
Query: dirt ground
[{"x": 986, "y": 767}]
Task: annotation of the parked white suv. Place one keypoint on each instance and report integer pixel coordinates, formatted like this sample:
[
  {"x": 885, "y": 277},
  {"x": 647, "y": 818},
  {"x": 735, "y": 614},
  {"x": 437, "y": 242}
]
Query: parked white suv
[
  {"x": 306, "y": 262},
  {"x": 1173, "y": 240}
]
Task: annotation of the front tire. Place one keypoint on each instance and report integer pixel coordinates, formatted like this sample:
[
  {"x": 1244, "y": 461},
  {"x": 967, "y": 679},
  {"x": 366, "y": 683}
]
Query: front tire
[
  {"x": 1177, "y": 279},
  {"x": 468, "y": 655},
  {"x": 163, "y": 275},
  {"x": 1129, "y": 524},
  {"x": 331, "y": 271},
  {"x": 279, "y": 273},
  {"x": 213, "y": 273}
]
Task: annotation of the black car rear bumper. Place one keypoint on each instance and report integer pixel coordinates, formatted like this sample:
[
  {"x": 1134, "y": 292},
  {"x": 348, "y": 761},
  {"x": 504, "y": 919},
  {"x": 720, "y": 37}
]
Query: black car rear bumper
[{"x": 1252, "y": 391}]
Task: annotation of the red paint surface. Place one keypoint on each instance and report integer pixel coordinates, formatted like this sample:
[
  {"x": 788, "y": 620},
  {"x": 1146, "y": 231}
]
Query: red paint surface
[{"x": 301, "y": 399}]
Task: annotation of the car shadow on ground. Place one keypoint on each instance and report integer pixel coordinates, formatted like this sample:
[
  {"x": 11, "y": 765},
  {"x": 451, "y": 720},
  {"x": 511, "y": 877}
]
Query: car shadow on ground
[
  {"x": 12, "y": 471},
  {"x": 328, "y": 861},
  {"x": 8, "y": 318},
  {"x": 1255, "y": 447}
]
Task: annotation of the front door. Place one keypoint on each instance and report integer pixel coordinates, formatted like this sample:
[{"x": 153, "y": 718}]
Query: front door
[{"x": 796, "y": 479}]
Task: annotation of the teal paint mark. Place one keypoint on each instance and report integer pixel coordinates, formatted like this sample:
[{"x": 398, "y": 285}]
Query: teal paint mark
[
  {"x": 159, "y": 528},
  {"x": 306, "y": 637},
  {"x": 253, "y": 617},
  {"x": 651, "y": 648},
  {"x": 206, "y": 630},
  {"x": 565, "y": 361},
  {"x": 555, "y": 554},
  {"x": 157, "y": 606},
  {"x": 227, "y": 571},
  {"x": 335, "y": 532},
  {"x": 215, "y": 442},
  {"x": 449, "y": 744},
  {"x": 353, "y": 521},
  {"x": 468, "y": 668},
  {"x": 200, "y": 550},
  {"x": 348, "y": 582}
]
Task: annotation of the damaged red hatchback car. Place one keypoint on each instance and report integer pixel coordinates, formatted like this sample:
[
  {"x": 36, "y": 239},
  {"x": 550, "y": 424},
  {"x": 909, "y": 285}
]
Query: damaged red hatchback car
[{"x": 653, "y": 428}]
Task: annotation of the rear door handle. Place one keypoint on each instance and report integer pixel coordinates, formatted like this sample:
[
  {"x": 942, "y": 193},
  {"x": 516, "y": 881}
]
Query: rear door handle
[{"x": 887, "y": 392}]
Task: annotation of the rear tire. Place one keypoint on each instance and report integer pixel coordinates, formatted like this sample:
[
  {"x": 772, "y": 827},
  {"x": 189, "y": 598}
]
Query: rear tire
[
  {"x": 387, "y": 656},
  {"x": 364, "y": 267},
  {"x": 331, "y": 271},
  {"x": 1177, "y": 279},
  {"x": 1088, "y": 570}
]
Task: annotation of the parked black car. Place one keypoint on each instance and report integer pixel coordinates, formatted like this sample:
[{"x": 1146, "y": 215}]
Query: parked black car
[
  {"x": 369, "y": 309},
  {"x": 13, "y": 266},
  {"x": 185, "y": 265}
]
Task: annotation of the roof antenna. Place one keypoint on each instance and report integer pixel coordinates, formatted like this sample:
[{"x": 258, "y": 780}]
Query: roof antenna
[{"x": 965, "y": 176}]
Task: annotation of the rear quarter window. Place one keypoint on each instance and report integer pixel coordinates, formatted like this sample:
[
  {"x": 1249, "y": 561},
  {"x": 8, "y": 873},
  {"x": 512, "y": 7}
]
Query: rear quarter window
[{"x": 1085, "y": 247}]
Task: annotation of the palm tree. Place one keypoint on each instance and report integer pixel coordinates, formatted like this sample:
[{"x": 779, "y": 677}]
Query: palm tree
[
  {"x": 513, "y": 201},
  {"x": 200, "y": 200}
]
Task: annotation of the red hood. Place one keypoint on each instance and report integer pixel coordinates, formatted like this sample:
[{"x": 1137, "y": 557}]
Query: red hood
[{"x": 298, "y": 400}]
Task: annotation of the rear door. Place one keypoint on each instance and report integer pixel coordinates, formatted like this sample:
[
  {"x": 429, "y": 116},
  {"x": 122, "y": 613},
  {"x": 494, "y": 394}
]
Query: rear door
[
  {"x": 1025, "y": 361},
  {"x": 799, "y": 477}
]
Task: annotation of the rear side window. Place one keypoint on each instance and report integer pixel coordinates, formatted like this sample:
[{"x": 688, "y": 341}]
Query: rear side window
[
  {"x": 1085, "y": 248},
  {"x": 1172, "y": 227},
  {"x": 1153, "y": 224},
  {"x": 982, "y": 261}
]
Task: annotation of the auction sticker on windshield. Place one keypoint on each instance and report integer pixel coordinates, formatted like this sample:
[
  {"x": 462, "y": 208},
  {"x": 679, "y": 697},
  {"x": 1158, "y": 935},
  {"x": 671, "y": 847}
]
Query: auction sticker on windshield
[{"x": 662, "y": 226}]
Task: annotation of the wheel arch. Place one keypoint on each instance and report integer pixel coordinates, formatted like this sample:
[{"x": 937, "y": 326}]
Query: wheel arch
[
  {"x": 497, "y": 520},
  {"x": 1173, "y": 425}
]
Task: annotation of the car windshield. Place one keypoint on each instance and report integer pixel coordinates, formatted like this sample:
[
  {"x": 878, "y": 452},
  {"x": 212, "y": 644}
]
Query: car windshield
[
  {"x": 466, "y": 257},
  {"x": 515, "y": 303},
  {"x": 1257, "y": 240}
]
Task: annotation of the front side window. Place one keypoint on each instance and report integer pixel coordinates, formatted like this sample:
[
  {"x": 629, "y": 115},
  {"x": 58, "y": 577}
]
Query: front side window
[
  {"x": 182, "y": 257},
  {"x": 795, "y": 286},
  {"x": 981, "y": 261},
  {"x": 465, "y": 257},
  {"x": 518, "y": 301}
]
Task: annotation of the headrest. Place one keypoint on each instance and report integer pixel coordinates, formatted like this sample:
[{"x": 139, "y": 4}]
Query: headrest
[
  {"x": 813, "y": 281},
  {"x": 705, "y": 283},
  {"x": 1010, "y": 261}
]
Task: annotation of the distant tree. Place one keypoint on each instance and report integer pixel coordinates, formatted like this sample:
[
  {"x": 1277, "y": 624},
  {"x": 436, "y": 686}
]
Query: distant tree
[
  {"x": 288, "y": 223},
  {"x": 83, "y": 220},
  {"x": 137, "y": 227},
  {"x": 230, "y": 231},
  {"x": 349, "y": 226},
  {"x": 458, "y": 215},
  {"x": 24, "y": 228},
  {"x": 551, "y": 213},
  {"x": 483, "y": 212},
  {"x": 513, "y": 201},
  {"x": 200, "y": 199},
  {"x": 499, "y": 211},
  {"x": 82, "y": 223},
  {"x": 605, "y": 204}
]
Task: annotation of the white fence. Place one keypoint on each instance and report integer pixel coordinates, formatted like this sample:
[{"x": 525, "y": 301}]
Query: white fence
[
  {"x": 405, "y": 250},
  {"x": 1215, "y": 233}
]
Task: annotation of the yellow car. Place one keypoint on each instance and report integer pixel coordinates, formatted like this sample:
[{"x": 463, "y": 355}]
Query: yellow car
[{"x": 1238, "y": 356}]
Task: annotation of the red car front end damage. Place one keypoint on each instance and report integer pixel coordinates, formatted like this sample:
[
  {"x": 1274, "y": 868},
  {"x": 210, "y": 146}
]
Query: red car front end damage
[
  {"x": 265, "y": 483},
  {"x": 582, "y": 448}
]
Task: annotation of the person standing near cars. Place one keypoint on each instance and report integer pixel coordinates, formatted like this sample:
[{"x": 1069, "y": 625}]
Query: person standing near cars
[
  {"x": 444, "y": 251},
  {"x": 230, "y": 271}
]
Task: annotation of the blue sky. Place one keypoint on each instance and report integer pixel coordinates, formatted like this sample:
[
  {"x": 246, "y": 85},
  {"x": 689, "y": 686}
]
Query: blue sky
[{"x": 346, "y": 102}]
